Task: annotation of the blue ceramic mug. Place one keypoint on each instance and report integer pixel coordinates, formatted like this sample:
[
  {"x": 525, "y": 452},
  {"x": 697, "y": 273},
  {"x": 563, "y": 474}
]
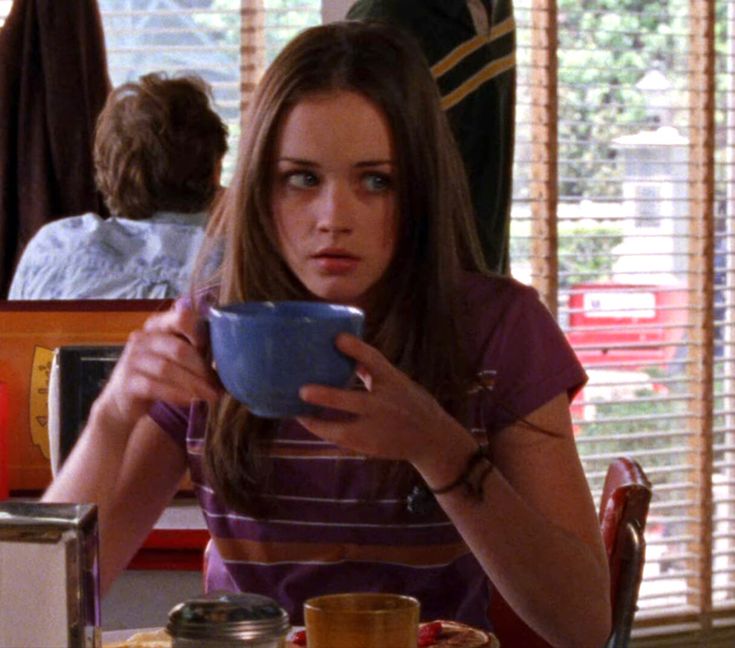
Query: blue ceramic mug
[{"x": 264, "y": 352}]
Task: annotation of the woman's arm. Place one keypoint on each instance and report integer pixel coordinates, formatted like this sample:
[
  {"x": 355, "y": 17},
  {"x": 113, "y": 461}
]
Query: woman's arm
[
  {"x": 534, "y": 531},
  {"x": 131, "y": 481},
  {"x": 123, "y": 461}
]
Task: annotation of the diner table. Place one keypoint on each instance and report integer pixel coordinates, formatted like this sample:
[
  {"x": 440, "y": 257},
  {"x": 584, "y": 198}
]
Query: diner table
[{"x": 118, "y": 637}]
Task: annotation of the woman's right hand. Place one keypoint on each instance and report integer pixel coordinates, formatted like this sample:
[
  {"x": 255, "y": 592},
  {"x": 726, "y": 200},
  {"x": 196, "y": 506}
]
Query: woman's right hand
[{"x": 162, "y": 361}]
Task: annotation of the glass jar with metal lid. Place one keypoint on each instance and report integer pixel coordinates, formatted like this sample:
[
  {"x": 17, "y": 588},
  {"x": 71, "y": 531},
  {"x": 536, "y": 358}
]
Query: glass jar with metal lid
[{"x": 227, "y": 620}]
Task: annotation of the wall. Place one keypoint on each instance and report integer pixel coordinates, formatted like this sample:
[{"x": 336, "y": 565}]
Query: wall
[{"x": 335, "y": 9}]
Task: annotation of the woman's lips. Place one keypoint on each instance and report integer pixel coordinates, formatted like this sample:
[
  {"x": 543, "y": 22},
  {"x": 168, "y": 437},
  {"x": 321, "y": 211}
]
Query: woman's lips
[{"x": 336, "y": 263}]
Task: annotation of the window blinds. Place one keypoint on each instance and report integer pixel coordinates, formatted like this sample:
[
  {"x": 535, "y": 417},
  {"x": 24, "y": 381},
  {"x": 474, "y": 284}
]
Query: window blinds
[
  {"x": 227, "y": 42},
  {"x": 623, "y": 219}
]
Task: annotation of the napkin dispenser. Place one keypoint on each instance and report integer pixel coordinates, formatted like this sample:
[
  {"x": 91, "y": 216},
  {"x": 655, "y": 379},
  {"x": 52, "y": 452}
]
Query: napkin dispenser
[{"x": 49, "y": 575}]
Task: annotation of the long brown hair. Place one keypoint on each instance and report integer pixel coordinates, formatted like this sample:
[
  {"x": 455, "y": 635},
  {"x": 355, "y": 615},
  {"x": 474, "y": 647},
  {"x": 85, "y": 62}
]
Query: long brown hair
[{"x": 413, "y": 319}]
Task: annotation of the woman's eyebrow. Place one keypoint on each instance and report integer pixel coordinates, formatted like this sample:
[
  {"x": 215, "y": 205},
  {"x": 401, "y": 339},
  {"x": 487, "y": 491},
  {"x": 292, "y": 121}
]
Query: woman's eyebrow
[
  {"x": 297, "y": 160},
  {"x": 360, "y": 164}
]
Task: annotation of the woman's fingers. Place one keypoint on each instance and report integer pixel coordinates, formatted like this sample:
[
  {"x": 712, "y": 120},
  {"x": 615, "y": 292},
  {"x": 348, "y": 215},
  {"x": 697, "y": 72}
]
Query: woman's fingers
[
  {"x": 178, "y": 387},
  {"x": 165, "y": 359},
  {"x": 178, "y": 336},
  {"x": 179, "y": 320},
  {"x": 196, "y": 319},
  {"x": 390, "y": 420},
  {"x": 369, "y": 359},
  {"x": 373, "y": 369},
  {"x": 351, "y": 401},
  {"x": 160, "y": 362}
]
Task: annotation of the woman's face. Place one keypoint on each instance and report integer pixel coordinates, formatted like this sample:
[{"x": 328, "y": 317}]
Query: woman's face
[{"x": 334, "y": 195}]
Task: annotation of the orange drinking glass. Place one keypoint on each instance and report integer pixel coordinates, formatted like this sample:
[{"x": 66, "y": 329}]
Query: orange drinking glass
[{"x": 362, "y": 620}]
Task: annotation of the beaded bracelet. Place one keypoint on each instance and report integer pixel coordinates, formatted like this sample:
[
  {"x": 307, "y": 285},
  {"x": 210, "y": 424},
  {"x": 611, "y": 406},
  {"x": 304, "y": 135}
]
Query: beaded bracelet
[{"x": 473, "y": 487}]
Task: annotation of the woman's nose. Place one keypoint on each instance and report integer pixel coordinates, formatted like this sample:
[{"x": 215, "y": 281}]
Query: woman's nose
[{"x": 336, "y": 210}]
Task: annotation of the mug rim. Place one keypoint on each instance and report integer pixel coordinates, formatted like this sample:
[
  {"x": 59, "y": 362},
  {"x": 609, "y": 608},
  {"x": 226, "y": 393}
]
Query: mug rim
[
  {"x": 285, "y": 310},
  {"x": 407, "y": 603}
]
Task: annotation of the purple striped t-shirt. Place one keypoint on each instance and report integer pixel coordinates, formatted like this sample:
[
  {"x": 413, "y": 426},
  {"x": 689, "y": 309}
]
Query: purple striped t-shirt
[{"x": 333, "y": 529}]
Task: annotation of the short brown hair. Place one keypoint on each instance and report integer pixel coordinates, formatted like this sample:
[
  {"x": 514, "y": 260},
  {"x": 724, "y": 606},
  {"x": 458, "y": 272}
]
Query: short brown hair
[{"x": 157, "y": 146}]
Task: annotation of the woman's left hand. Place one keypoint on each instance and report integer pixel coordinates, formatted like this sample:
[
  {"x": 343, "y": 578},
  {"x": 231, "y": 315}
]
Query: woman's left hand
[{"x": 394, "y": 419}]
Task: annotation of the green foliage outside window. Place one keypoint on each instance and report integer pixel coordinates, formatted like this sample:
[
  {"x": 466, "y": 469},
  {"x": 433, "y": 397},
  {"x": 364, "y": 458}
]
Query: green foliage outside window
[
  {"x": 605, "y": 49},
  {"x": 585, "y": 251}
]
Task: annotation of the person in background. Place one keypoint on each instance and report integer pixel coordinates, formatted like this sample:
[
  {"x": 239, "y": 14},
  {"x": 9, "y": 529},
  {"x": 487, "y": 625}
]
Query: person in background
[
  {"x": 158, "y": 157},
  {"x": 454, "y": 471},
  {"x": 470, "y": 45}
]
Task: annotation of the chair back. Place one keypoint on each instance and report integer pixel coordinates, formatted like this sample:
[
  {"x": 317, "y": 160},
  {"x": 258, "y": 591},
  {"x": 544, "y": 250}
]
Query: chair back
[{"x": 626, "y": 495}]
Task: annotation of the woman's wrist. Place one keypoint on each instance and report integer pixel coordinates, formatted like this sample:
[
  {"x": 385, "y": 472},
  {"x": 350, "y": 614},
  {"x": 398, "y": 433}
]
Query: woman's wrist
[
  {"x": 445, "y": 454},
  {"x": 105, "y": 416},
  {"x": 471, "y": 480}
]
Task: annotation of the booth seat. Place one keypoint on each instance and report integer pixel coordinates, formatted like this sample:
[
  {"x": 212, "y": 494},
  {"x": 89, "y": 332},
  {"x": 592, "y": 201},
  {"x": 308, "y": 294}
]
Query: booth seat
[{"x": 30, "y": 333}]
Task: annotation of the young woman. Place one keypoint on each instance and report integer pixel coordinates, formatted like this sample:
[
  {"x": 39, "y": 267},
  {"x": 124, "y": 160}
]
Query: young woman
[{"x": 350, "y": 190}]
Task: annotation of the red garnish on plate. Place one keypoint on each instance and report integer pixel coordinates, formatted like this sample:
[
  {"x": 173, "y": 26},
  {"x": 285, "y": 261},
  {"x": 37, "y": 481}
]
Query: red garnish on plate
[{"x": 429, "y": 633}]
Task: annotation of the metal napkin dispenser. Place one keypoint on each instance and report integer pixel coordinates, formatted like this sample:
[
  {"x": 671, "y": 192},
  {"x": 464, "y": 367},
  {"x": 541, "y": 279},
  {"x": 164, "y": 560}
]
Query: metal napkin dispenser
[{"x": 49, "y": 575}]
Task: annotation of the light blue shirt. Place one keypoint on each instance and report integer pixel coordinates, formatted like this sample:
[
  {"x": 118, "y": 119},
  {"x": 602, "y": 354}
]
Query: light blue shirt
[{"x": 88, "y": 257}]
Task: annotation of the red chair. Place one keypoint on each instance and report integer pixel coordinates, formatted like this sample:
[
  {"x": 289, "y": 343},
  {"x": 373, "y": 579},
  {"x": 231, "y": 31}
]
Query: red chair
[{"x": 623, "y": 512}]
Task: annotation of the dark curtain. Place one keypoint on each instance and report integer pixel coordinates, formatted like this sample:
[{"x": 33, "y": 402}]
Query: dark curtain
[{"x": 53, "y": 84}]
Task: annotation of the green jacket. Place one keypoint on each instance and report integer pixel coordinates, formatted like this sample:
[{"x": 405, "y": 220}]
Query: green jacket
[{"x": 476, "y": 77}]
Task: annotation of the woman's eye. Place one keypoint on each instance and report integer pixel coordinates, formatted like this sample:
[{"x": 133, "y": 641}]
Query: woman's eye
[
  {"x": 301, "y": 179},
  {"x": 376, "y": 182}
]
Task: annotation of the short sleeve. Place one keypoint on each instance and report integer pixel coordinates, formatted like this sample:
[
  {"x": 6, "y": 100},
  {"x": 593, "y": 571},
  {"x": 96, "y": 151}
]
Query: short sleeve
[
  {"x": 173, "y": 420},
  {"x": 527, "y": 360}
]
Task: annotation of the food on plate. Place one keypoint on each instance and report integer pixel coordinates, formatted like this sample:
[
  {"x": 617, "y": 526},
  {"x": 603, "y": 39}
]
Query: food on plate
[
  {"x": 434, "y": 634},
  {"x": 148, "y": 639},
  {"x": 452, "y": 634}
]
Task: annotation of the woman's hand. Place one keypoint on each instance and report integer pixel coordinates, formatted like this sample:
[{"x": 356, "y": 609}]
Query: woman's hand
[
  {"x": 163, "y": 361},
  {"x": 394, "y": 419}
]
